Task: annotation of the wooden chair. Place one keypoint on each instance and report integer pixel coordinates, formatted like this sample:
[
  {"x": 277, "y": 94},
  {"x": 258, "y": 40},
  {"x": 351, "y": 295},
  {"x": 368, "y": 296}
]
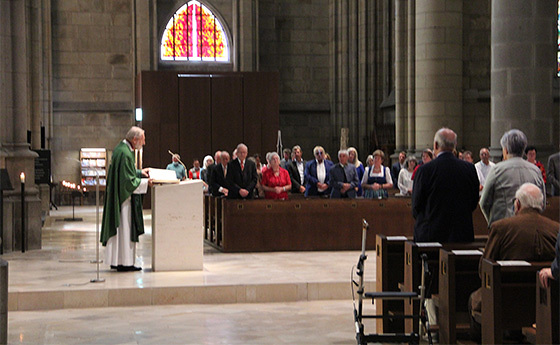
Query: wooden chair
[
  {"x": 458, "y": 278},
  {"x": 389, "y": 273},
  {"x": 508, "y": 297}
]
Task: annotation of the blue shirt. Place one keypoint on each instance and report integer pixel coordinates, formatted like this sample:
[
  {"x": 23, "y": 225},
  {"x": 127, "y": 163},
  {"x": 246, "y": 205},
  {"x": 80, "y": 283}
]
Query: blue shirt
[{"x": 179, "y": 170}]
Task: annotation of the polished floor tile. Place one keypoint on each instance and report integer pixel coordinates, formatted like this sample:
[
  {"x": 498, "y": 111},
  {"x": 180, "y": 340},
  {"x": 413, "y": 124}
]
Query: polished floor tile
[
  {"x": 64, "y": 263},
  {"x": 318, "y": 322},
  {"x": 169, "y": 307}
]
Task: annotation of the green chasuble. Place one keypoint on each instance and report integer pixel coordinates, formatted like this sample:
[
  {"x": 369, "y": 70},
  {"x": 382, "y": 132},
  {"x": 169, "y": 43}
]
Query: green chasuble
[{"x": 122, "y": 179}]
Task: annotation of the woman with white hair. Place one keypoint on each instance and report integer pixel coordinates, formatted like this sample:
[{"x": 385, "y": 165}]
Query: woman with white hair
[
  {"x": 353, "y": 158},
  {"x": 405, "y": 181},
  {"x": 275, "y": 180},
  {"x": 208, "y": 160}
]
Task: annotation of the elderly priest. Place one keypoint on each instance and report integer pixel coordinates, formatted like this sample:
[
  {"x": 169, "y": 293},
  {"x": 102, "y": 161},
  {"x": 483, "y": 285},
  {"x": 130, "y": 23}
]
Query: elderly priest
[{"x": 122, "y": 211}]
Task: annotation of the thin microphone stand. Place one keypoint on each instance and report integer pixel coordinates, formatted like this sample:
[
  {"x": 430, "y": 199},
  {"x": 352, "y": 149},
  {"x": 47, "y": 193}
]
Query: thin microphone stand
[{"x": 97, "y": 261}]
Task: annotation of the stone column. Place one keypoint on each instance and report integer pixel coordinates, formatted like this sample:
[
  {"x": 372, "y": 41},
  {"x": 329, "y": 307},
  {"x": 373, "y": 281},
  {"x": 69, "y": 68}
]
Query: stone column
[
  {"x": 523, "y": 65},
  {"x": 438, "y": 69},
  {"x": 400, "y": 75},
  {"x": 411, "y": 75},
  {"x": 246, "y": 35},
  {"x": 17, "y": 118}
]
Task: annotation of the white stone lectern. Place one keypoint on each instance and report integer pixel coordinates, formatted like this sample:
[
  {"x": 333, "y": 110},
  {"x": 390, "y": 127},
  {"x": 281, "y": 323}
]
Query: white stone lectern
[{"x": 177, "y": 226}]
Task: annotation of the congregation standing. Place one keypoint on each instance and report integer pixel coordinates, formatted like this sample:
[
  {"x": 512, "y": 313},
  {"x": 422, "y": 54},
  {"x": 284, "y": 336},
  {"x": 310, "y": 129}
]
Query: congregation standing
[{"x": 376, "y": 179}]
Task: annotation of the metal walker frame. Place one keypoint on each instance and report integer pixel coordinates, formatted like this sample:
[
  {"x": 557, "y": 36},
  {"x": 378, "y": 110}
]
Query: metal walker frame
[{"x": 364, "y": 339}]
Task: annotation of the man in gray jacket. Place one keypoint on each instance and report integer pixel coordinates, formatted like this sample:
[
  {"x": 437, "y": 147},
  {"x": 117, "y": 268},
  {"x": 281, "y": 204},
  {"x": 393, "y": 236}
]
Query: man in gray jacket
[{"x": 506, "y": 177}]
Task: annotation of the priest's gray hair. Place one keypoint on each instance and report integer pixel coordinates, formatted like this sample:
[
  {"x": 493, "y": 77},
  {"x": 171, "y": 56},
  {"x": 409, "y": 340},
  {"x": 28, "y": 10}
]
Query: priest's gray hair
[
  {"x": 342, "y": 152},
  {"x": 134, "y": 132},
  {"x": 530, "y": 196},
  {"x": 515, "y": 142},
  {"x": 446, "y": 139}
]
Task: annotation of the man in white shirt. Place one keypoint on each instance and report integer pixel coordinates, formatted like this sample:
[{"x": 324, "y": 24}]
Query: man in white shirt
[
  {"x": 483, "y": 167},
  {"x": 317, "y": 174}
]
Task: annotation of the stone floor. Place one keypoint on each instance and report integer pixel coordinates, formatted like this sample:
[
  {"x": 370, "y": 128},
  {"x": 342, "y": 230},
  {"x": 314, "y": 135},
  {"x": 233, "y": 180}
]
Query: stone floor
[{"x": 252, "y": 298}]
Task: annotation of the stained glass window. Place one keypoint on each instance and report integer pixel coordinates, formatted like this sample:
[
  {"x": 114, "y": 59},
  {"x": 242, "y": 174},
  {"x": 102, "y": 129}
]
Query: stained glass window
[{"x": 195, "y": 34}]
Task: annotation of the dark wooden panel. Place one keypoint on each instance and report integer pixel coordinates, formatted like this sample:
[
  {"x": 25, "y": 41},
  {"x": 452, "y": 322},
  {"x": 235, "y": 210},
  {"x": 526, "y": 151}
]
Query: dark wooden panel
[
  {"x": 260, "y": 116},
  {"x": 195, "y": 118},
  {"x": 270, "y": 122},
  {"x": 160, "y": 116},
  {"x": 227, "y": 112}
]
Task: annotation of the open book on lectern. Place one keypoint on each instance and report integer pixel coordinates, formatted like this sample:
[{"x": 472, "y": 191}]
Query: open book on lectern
[{"x": 163, "y": 176}]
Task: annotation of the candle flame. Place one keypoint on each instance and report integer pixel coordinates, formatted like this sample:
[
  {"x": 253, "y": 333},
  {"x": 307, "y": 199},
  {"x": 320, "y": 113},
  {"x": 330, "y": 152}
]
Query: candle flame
[{"x": 22, "y": 177}]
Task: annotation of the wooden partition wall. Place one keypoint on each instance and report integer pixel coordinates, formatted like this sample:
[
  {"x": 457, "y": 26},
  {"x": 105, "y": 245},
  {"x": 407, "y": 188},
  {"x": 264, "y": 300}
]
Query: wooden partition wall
[{"x": 197, "y": 114}]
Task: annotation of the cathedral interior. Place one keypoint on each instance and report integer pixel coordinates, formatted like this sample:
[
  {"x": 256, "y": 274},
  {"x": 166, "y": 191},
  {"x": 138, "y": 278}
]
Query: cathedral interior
[{"x": 387, "y": 73}]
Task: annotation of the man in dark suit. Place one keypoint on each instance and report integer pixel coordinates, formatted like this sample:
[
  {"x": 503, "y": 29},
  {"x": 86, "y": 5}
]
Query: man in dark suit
[
  {"x": 396, "y": 168},
  {"x": 219, "y": 173},
  {"x": 444, "y": 195},
  {"x": 241, "y": 175},
  {"x": 210, "y": 169},
  {"x": 317, "y": 174},
  {"x": 343, "y": 178},
  {"x": 296, "y": 169},
  {"x": 553, "y": 173}
]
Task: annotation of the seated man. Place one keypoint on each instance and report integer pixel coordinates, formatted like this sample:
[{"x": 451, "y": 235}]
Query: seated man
[
  {"x": 527, "y": 236},
  {"x": 343, "y": 178},
  {"x": 219, "y": 173}
]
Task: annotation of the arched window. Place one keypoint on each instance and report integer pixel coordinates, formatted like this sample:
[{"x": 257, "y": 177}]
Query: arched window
[{"x": 194, "y": 33}]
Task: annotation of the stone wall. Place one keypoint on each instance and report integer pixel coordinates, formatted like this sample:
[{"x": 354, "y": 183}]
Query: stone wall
[
  {"x": 294, "y": 40},
  {"x": 476, "y": 75},
  {"x": 93, "y": 78}
]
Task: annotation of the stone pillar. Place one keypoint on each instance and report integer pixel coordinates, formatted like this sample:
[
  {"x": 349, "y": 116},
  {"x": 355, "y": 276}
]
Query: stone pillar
[
  {"x": 246, "y": 35},
  {"x": 400, "y": 75},
  {"x": 411, "y": 75},
  {"x": 438, "y": 69},
  {"x": 523, "y": 66},
  {"x": 17, "y": 114}
]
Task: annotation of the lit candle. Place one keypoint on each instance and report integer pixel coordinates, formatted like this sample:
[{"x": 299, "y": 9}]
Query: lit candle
[{"x": 22, "y": 177}]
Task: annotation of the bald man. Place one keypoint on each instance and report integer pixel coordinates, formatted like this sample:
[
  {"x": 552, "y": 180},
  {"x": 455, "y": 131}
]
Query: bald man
[
  {"x": 444, "y": 194},
  {"x": 526, "y": 236}
]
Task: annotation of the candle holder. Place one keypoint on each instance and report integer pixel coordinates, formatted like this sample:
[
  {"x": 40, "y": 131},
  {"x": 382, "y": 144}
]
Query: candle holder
[
  {"x": 23, "y": 242},
  {"x": 75, "y": 192}
]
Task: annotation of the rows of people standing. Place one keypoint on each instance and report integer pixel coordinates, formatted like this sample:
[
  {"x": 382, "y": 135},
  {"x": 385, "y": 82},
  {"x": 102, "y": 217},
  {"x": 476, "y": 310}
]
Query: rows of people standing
[{"x": 278, "y": 177}]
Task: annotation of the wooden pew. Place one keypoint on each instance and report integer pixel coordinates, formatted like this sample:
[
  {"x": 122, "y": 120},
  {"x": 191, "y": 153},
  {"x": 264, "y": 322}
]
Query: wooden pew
[
  {"x": 218, "y": 221},
  {"x": 207, "y": 230},
  {"x": 548, "y": 313},
  {"x": 458, "y": 278},
  {"x": 413, "y": 269},
  {"x": 389, "y": 273},
  {"x": 320, "y": 224},
  {"x": 508, "y": 298}
]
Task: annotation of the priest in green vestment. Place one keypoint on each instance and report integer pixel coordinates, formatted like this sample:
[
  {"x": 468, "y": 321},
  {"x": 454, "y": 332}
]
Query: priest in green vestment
[{"x": 122, "y": 212}]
